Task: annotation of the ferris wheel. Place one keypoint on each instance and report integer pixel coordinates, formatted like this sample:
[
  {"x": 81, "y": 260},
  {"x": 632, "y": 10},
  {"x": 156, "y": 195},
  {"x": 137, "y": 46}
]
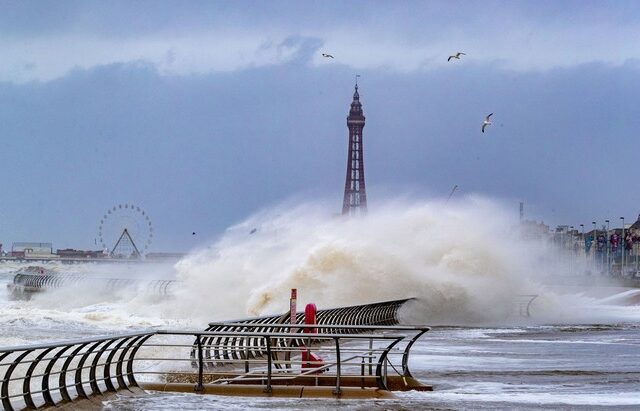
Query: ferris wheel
[{"x": 125, "y": 231}]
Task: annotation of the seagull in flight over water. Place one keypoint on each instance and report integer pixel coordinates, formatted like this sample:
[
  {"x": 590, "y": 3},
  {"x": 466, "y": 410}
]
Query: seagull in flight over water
[
  {"x": 329, "y": 56},
  {"x": 486, "y": 122},
  {"x": 456, "y": 56}
]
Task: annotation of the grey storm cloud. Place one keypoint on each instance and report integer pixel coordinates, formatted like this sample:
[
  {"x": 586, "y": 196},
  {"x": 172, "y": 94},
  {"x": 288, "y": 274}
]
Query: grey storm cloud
[
  {"x": 44, "y": 43},
  {"x": 212, "y": 148},
  {"x": 206, "y": 113}
]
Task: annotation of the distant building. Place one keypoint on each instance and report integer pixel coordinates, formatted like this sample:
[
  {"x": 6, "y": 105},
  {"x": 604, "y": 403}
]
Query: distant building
[
  {"x": 635, "y": 227},
  {"x": 32, "y": 250},
  {"x": 73, "y": 253},
  {"x": 532, "y": 229}
]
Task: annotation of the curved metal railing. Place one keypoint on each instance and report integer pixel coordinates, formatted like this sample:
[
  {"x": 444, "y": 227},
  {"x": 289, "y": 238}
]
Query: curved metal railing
[
  {"x": 345, "y": 359},
  {"x": 50, "y": 374},
  {"x": 238, "y": 346},
  {"x": 376, "y": 314},
  {"x": 25, "y": 284}
]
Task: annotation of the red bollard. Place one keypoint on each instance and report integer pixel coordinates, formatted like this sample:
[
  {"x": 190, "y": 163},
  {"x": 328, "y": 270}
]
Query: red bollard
[
  {"x": 310, "y": 318},
  {"x": 309, "y": 359}
]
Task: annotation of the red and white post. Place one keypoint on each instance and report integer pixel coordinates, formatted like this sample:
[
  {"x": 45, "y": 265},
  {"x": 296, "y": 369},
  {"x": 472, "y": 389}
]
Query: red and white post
[{"x": 293, "y": 308}]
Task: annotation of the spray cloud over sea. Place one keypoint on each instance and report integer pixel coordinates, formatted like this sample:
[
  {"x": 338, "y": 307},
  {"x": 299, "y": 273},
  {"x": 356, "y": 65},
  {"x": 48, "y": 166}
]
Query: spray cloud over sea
[{"x": 465, "y": 262}]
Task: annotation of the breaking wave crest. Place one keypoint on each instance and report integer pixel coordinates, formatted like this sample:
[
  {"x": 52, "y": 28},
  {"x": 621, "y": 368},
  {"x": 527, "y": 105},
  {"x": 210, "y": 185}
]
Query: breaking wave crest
[{"x": 466, "y": 263}]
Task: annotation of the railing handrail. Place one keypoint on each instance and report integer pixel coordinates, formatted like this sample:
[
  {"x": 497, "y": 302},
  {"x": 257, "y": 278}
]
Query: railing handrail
[
  {"x": 272, "y": 335},
  {"x": 376, "y": 304},
  {"x": 264, "y": 334},
  {"x": 57, "y": 344},
  {"x": 346, "y": 327},
  {"x": 91, "y": 354}
]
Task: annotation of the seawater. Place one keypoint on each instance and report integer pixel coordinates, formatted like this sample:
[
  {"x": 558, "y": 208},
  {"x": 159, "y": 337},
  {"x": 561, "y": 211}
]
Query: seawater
[{"x": 465, "y": 263}]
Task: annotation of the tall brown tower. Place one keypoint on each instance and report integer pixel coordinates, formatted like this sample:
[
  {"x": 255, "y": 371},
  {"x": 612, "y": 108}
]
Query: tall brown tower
[{"x": 355, "y": 196}]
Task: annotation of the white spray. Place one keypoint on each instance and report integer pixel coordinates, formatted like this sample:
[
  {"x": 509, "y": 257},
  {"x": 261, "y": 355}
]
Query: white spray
[{"x": 465, "y": 262}]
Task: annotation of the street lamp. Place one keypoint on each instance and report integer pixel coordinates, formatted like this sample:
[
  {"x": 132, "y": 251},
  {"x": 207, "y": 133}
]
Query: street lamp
[
  {"x": 606, "y": 244},
  {"x": 584, "y": 244},
  {"x": 571, "y": 237},
  {"x": 572, "y": 249},
  {"x": 623, "y": 245},
  {"x": 570, "y": 232},
  {"x": 594, "y": 243}
]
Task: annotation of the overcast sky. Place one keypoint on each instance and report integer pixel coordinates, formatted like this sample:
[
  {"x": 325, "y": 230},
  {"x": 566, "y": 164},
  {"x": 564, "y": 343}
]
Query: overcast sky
[{"x": 204, "y": 112}]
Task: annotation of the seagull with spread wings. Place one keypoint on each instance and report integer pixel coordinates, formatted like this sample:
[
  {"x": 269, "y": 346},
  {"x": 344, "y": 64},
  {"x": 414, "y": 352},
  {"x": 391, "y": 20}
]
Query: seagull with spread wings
[
  {"x": 486, "y": 122},
  {"x": 329, "y": 56},
  {"x": 456, "y": 56}
]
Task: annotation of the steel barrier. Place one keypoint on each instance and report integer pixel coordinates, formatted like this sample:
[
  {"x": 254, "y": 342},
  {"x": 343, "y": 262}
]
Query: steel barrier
[
  {"x": 375, "y": 314},
  {"x": 234, "y": 345},
  {"x": 25, "y": 284},
  {"x": 61, "y": 372},
  {"x": 523, "y": 303},
  {"x": 53, "y": 374}
]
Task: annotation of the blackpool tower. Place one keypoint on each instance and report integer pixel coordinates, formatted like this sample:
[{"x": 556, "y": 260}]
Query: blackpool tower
[{"x": 355, "y": 195}]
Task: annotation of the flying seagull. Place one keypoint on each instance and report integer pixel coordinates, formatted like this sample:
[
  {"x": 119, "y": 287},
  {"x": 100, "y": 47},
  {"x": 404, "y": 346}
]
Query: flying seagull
[
  {"x": 329, "y": 56},
  {"x": 253, "y": 231},
  {"x": 456, "y": 56},
  {"x": 486, "y": 122}
]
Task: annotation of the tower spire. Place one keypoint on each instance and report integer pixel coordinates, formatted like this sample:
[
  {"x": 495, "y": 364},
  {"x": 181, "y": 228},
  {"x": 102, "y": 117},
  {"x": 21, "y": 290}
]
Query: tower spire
[{"x": 355, "y": 195}]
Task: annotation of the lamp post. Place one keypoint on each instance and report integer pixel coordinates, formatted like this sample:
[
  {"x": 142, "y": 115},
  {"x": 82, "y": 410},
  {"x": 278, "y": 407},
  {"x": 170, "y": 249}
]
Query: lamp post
[
  {"x": 635, "y": 251},
  {"x": 584, "y": 243},
  {"x": 623, "y": 246},
  {"x": 634, "y": 247},
  {"x": 606, "y": 244},
  {"x": 572, "y": 249},
  {"x": 594, "y": 244}
]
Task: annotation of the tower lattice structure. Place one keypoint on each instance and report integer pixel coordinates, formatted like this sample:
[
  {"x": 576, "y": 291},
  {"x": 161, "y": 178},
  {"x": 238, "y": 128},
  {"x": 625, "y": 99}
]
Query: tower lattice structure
[{"x": 355, "y": 195}]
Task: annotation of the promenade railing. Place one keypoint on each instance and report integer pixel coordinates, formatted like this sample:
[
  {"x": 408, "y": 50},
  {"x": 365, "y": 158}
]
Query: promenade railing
[{"x": 51, "y": 374}]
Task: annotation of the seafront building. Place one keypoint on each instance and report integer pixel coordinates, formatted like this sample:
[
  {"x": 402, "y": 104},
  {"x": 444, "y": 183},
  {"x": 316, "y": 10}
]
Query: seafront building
[
  {"x": 614, "y": 251},
  {"x": 40, "y": 252}
]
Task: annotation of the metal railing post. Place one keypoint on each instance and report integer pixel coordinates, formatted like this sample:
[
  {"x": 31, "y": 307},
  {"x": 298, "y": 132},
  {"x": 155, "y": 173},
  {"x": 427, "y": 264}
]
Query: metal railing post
[
  {"x": 268, "y": 389},
  {"x": 107, "y": 369},
  {"x": 386, "y": 363},
  {"x": 6, "y": 401},
  {"x": 407, "y": 350},
  {"x": 132, "y": 355},
  {"x": 121, "y": 362},
  {"x": 46, "y": 392},
  {"x": 199, "y": 386},
  {"x": 337, "y": 391},
  {"x": 381, "y": 368},
  {"x": 26, "y": 385},
  {"x": 62, "y": 379},
  {"x": 370, "y": 356},
  {"x": 246, "y": 354}
]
